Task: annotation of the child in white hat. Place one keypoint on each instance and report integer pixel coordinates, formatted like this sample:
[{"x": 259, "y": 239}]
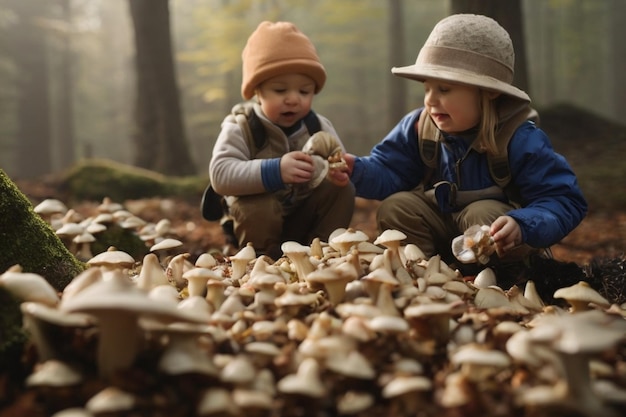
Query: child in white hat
[
  {"x": 472, "y": 112},
  {"x": 274, "y": 190}
]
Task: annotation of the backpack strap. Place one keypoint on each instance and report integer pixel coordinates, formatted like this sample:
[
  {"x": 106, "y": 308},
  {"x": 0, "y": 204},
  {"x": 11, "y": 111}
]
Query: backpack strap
[
  {"x": 312, "y": 123},
  {"x": 499, "y": 163},
  {"x": 428, "y": 142},
  {"x": 253, "y": 130}
]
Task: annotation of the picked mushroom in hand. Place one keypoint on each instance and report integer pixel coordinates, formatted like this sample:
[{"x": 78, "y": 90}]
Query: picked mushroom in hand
[
  {"x": 474, "y": 246},
  {"x": 327, "y": 146}
]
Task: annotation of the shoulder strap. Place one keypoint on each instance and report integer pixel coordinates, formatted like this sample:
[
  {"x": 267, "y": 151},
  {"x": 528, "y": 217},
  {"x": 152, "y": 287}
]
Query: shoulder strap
[
  {"x": 428, "y": 137},
  {"x": 499, "y": 164},
  {"x": 253, "y": 130},
  {"x": 312, "y": 123}
]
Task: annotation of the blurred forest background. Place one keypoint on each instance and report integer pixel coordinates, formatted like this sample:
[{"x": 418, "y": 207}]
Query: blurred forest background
[{"x": 147, "y": 82}]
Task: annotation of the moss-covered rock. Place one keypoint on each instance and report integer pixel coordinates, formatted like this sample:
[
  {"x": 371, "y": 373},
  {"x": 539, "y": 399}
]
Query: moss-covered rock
[
  {"x": 94, "y": 179},
  {"x": 27, "y": 240}
]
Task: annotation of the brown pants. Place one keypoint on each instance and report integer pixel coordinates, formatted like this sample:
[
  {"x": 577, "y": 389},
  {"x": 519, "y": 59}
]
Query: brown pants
[
  {"x": 432, "y": 231},
  {"x": 262, "y": 220}
]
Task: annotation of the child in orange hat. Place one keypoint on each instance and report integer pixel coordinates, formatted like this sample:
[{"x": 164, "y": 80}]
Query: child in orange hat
[{"x": 276, "y": 191}]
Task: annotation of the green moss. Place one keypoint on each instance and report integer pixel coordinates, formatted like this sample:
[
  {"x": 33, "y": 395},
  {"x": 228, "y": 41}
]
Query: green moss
[
  {"x": 122, "y": 239},
  {"x": 27, "y": 240},
  {"x": 95, "y": 179}
]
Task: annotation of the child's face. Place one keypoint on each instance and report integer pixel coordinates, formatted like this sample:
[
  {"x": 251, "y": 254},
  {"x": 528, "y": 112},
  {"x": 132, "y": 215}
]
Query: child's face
[
  {"x": 286, "y": 98},
  {"x": 453, "y": 107}
]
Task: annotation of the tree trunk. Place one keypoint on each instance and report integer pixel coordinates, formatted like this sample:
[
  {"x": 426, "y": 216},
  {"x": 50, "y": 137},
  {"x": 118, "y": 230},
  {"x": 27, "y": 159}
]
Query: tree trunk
[
  {"x": 160, "y": 142},
  {"x": 65, "y": 109},
  {"x": 28, "y": 241},
  {"x": 33, "y": 137},
  {"x": 397, "y": 90},
  {"x": 509, "y": 15},
  {"x": 618, "y": 54}
]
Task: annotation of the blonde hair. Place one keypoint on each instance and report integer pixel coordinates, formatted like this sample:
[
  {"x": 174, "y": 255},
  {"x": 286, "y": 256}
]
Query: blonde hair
[{"x": 488, "y": 123}]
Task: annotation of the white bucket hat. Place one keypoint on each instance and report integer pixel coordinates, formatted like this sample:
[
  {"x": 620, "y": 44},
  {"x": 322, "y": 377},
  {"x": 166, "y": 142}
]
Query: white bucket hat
[{"x": 467, "y": 49}]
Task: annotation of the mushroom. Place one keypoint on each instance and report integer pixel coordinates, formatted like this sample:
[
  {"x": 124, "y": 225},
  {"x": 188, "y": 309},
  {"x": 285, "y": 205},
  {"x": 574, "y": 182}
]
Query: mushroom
[
  {"x": 404, "y": 392},
  {"x": 392, "y": 239},
  {"x": 83, "y": 245},
  {"x": 112, "y": 259},
  {"x": 354, "y": 402},
  {"x": 54, "y": 373},
  {"x": 485, "y": 278},
  {"x": 474, "y": 245},
  {"x": 239, "y": 261},
  {"x": 41, "y": 322},
  {"x": 49, "y": 208},
  {"x": 215, "y": 402},
  {"x": 351, "y": 364},
  {"x": 435, "y": 317},
  {"x": 117, "y": 304},
  {"x": 28, "y": 286},
  {"x": 197, "y": 279},
  {"x": 334, "y": 281},
  {"x": 175, "y": 269},
  {"x": 299, "y": 256},
  {"x": 344, "y": 241},
  {"x": 239, "y": 371},
  {"x": 182, "y": 354},
  {"x": 111, "y": 400},
  {"x": 151, "y": 274},
  {"x": 580, "y": 295},
  {"x": 166, "y": 248},
  {"x": 305, "y": 382},
  {"x": 253, "y": 402},
  {"x": 573, "y": 338}
]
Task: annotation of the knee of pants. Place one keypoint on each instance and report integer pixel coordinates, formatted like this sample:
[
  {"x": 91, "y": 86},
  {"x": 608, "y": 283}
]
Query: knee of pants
[
  {"x": 257, "y": 219},
  {"x": 482, "y": 212},
  {"x": 400, "y": 209}
]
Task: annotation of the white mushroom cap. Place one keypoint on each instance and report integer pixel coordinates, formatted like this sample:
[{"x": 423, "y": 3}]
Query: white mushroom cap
[
  {"x": 240, "y": 260},
  {"x": 217, "y": 401},
  {"x": 54, "y": 373},
  {"x": 50, "y": 206},
  {"x": 252, "y": 399},
  {"x": 353, "y": 402},
  {"x": 299, "y": 256},
  {"x": 334, "y": 281},
  {"x": 165, "y": 244},
  {"x": 112, "y": 258},
  {"x": 206, "y": 260},
  {"x": 353, "y": 364},
  {"x": 28, "y": 286},
  {"x": 73, "y": 412},
  {"x": 403, "y": 384},
  {"x": 580, "y": 295},
  {"x": 306, "y": 381},
  {"x": 110, "y": 400},
  {"x": 344, "y": 241}
]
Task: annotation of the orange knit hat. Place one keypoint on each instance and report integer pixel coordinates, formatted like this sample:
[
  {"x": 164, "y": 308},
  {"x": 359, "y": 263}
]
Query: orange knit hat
[{"x": 279, "y": 48}]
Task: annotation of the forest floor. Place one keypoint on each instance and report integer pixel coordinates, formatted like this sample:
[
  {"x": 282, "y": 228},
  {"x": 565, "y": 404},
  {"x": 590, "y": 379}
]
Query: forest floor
[
  {"x": 601, "y": 235},
  {"x": 594, "y": 147}
]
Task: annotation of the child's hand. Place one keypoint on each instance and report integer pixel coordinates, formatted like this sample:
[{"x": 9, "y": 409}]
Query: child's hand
[
  {"x": 506, "y": 234},
  {"x": 341, "y": 176},
  {"x": 296, "y": 167}
]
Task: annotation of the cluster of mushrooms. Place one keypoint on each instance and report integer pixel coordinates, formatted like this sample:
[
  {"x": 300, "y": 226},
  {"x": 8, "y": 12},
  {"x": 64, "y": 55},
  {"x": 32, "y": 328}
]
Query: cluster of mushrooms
[{"x": 347, "y": 327}]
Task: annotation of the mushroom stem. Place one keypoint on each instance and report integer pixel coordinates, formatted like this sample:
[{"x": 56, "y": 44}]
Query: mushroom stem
[
  {"x": 118, "y": 342},
  {"x": 579, "y": 393}
]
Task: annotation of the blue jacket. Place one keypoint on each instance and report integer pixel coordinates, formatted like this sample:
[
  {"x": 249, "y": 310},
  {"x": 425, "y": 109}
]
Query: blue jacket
[{"x": 552, "y": 204}]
